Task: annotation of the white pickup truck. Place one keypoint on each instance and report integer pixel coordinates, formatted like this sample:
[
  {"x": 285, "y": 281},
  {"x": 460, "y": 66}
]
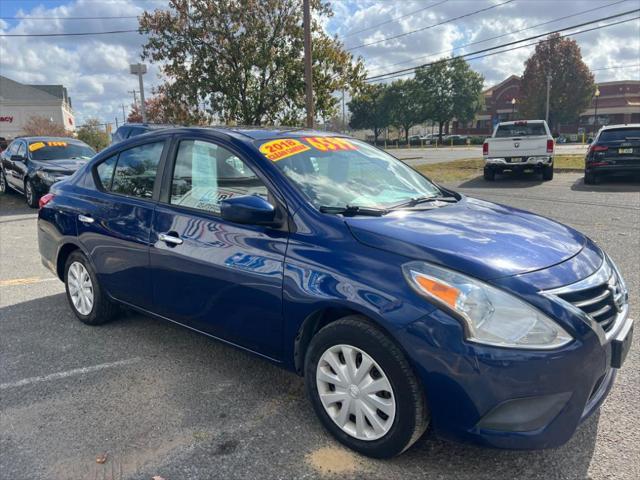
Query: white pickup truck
[{"x": 517, "y": 146}]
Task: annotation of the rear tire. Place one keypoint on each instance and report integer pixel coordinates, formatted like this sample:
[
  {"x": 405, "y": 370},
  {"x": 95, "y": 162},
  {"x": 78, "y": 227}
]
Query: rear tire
[
  {"x": 591, "y": 178},
  {"x": 379, "y": 422},
  {"x": 84, "y": 294},
  {"x": 489, "y": 174},
  {"x": 547, "y": 173},
  {"x": 30, "y": 194}
]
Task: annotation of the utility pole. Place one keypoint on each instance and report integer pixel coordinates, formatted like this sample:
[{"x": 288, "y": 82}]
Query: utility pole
[
  {"x": 140, "y": 69},
  {"x": 546, "y": 116},
  {"x": 306, "y": 19},
  {"x": 124, "y": 117},
  {"x": 135, "y": 97},
  {"x": 344, "y": 126}
]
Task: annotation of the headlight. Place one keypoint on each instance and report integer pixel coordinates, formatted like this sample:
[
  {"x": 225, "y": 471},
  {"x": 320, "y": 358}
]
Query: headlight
[
  {"x": 490, "y": 316},
  {"x": 46, "y": 176}
]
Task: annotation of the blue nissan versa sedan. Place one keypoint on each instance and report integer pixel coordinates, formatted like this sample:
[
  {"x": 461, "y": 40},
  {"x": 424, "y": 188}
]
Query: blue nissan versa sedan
[{"x": 401, "y": 302}]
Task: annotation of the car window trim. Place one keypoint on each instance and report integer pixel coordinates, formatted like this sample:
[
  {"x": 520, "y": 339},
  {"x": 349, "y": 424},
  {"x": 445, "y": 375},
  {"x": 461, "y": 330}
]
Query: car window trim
[
  {"x": 165, "y": 194},
  {"x": 159, "y": 172}
]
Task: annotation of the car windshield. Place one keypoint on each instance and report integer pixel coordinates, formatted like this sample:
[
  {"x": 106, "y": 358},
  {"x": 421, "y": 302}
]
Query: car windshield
[
  {"x": 57, "y": 150},
  {"x": 619, "y": 135},
  {"x": 521, "y": 129},
  {"x": 339, "y": 172}
]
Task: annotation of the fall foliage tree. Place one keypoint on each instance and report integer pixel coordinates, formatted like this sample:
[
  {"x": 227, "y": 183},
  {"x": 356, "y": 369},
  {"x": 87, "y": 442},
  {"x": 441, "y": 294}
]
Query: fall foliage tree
[
  {"x": 92, "y": 133},
  {"x": 163, "y": 109},
  {"x": 243, "y": 59},
  {"x": 42, "y": 126},
  {"x": 572, "y": 83}
]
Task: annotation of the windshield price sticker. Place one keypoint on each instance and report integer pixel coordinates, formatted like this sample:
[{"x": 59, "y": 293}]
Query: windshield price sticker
[
  {"x": 38, "y": 145},
  {"x": 325, "y": 144},
  {"x": 278, "y": 149}
]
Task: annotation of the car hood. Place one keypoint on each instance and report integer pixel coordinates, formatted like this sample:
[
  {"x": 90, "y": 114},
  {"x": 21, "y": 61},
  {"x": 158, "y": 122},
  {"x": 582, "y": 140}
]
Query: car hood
[
  {"x": 60, "y": 165},
  {"x": 479, "y": 238}
]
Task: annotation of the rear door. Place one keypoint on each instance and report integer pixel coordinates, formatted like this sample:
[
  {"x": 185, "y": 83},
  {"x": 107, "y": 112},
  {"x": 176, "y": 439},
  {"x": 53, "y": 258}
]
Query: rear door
[
  {"x": 114, "y": 220},
  {"x": 213, "y": 275}
]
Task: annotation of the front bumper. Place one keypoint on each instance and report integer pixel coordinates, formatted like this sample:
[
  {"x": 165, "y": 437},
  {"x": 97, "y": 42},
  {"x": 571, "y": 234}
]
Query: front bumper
[
  {"x": 506, "y": 163},
  {"x": 509, "y": 398}
]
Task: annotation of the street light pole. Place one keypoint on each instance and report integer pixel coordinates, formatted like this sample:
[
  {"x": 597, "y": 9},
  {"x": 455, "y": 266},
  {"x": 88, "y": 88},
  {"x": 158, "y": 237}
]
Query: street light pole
[
  {"x": 140, "y": 69},
  {"x": 546, "y": 116},
  {"x": 513, "y": 108},
  {"x": 306, "y": 19},
  {"x": 595, "y": 116}
]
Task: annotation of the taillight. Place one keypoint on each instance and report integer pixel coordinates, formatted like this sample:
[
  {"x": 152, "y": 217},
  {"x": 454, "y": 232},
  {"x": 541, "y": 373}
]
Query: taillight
[
  {"x": 599, "y": 148},
  {"x": 45, "y": 199},
  {"x": 550, "y": 146},
  {"x": 485, "y": 148}
]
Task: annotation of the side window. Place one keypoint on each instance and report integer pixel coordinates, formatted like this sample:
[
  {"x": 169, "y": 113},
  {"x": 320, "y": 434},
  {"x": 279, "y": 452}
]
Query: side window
[
  {"x": 13, "y": 148},
  {"x": 136, "y": 169},
  {"x": 205, "y": 174},
  {"x": 22, "y": 150},
  {"x": 105, "y": 172}
]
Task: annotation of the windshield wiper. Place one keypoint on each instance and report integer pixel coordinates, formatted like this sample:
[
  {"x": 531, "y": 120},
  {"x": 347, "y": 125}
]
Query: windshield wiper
[
  {"x": 351, "y": 210},
  {"x": 418, "y": 200}
]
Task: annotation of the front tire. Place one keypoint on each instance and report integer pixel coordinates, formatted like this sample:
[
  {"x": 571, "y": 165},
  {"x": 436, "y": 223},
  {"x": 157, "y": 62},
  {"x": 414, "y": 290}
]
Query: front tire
[
  {"x": 363, "y": 389},
  {"x": 3, "y": 182},
  {"x": 30, "y": 194},
  {"x": 84, "y": 294}
]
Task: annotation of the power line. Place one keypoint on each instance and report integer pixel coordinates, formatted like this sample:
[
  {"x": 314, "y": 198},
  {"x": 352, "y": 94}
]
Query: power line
[
  {"x": 77, "y": 34},
  {"x": 394, "y": 19},
  {"x": 506, "y": 34},
  {"x": 489, "y": 49},
  {"x": 637, "y": 65},
  {"x": 431, "y": 26}
]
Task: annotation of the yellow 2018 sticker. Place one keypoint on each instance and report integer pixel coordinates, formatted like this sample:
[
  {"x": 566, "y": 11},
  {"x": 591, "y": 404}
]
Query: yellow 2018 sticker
[
  {"x": 325, "y": 144},
  {"x": 278, "y": 149},
  {"x": 38, "y": 145}
]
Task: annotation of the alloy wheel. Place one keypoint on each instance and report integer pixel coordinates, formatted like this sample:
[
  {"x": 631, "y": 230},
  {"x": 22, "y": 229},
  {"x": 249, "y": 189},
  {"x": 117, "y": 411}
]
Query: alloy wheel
[
  {"x": 80, "y": 288},
  {"x": 29, "y": 192},
  {"x": 355, "y": 392}
]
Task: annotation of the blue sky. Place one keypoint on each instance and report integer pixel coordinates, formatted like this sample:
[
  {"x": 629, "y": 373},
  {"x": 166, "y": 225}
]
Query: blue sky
[{"x": 95, "y": 69}]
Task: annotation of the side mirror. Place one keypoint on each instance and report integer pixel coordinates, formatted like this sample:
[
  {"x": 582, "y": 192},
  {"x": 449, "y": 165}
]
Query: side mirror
[
  {"x": 589, "y": 140},
  {"x": 17, "y": 158},
  {"x": 249, "y": 210}
]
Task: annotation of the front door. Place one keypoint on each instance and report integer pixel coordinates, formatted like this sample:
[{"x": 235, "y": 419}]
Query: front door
[
  {"x": 215, "y": 276},
  {"x": 15, "y": 169}
]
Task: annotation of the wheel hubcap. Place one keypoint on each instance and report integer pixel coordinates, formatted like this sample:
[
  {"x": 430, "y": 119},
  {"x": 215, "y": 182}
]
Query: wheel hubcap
[
  {"x": 355, "y": 392},
  {"x": 80, "y": 288}
]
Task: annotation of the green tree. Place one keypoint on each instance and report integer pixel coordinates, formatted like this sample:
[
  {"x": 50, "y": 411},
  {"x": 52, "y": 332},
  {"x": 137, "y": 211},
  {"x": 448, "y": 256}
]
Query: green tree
[
  {"x": 448, "y": 89},
  {"x": 93, "y": 134},
  {"x": 370, "y": 109},
  {"x": 243, "y": 59},
  {"x": 404, "y": 109},
  {"x": 572, "y": 83}
]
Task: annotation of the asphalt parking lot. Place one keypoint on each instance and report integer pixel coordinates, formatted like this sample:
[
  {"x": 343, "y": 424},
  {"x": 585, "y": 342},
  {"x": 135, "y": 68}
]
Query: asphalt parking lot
[{"x": 158, "y": 399}]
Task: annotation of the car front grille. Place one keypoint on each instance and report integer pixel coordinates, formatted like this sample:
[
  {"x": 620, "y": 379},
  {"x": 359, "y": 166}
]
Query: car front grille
[{"x": 601, "y": 296}]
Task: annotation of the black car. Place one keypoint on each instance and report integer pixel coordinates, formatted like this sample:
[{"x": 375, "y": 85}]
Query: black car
[
  {"x": 128, "y": 130},
  {"x": 616, "y": 149},
  {"x": 30, "y": 165}
]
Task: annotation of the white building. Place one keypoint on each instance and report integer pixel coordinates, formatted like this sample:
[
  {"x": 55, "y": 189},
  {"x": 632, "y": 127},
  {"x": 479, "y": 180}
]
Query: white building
[{"x": 19, "y": 102}]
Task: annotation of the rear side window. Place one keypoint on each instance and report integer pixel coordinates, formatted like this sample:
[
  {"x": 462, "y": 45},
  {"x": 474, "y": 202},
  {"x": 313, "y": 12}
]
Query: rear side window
[
  {"x": 132, "y": 172},
  {"x": 620, "y": 135},
  {"x": 521, "y": 130}
]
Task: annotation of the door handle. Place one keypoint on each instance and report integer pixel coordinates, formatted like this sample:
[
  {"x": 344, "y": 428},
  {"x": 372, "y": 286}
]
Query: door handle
[
  {"x": 86, "y": 219},
  {"x": 173, "y": 240}
]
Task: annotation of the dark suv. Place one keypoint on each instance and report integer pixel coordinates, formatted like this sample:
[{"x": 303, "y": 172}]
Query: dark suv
[
  {"x": 616, "y": 148},
  {"x": 128, "y": 130}
]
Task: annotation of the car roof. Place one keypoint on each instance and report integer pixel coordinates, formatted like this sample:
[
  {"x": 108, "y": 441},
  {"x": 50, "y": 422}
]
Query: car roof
[
  {"x": 246, "y": 133},
  {"x": 621, "y": 125},
  {"x": 516, "y": 122},
  {"x": 52, "y": 139}
]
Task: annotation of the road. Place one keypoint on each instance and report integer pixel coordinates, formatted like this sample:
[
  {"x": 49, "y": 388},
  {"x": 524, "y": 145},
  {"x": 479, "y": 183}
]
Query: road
[
  {"x": 424, "y": 156},
  {"x": 158, "y": 399}
]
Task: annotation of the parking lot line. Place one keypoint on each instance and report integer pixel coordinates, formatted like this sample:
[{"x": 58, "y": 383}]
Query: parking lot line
[
  {"x": 68, "y": 373},
  {"x": 25, "y": 281}
]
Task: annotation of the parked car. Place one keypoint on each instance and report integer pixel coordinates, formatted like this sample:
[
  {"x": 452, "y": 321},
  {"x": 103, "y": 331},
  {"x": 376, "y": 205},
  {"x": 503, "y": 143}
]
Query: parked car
[
  {"x": 616, "y": 149},
  {"x": 454, "y": 139},
  {"x": 401, "y": 302},
  {"x": 128, "y": 130},
  {"x": 31, "y": 165},
  {"x": 518, "y": 146},
  {"x": 3, "y": 144}
]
